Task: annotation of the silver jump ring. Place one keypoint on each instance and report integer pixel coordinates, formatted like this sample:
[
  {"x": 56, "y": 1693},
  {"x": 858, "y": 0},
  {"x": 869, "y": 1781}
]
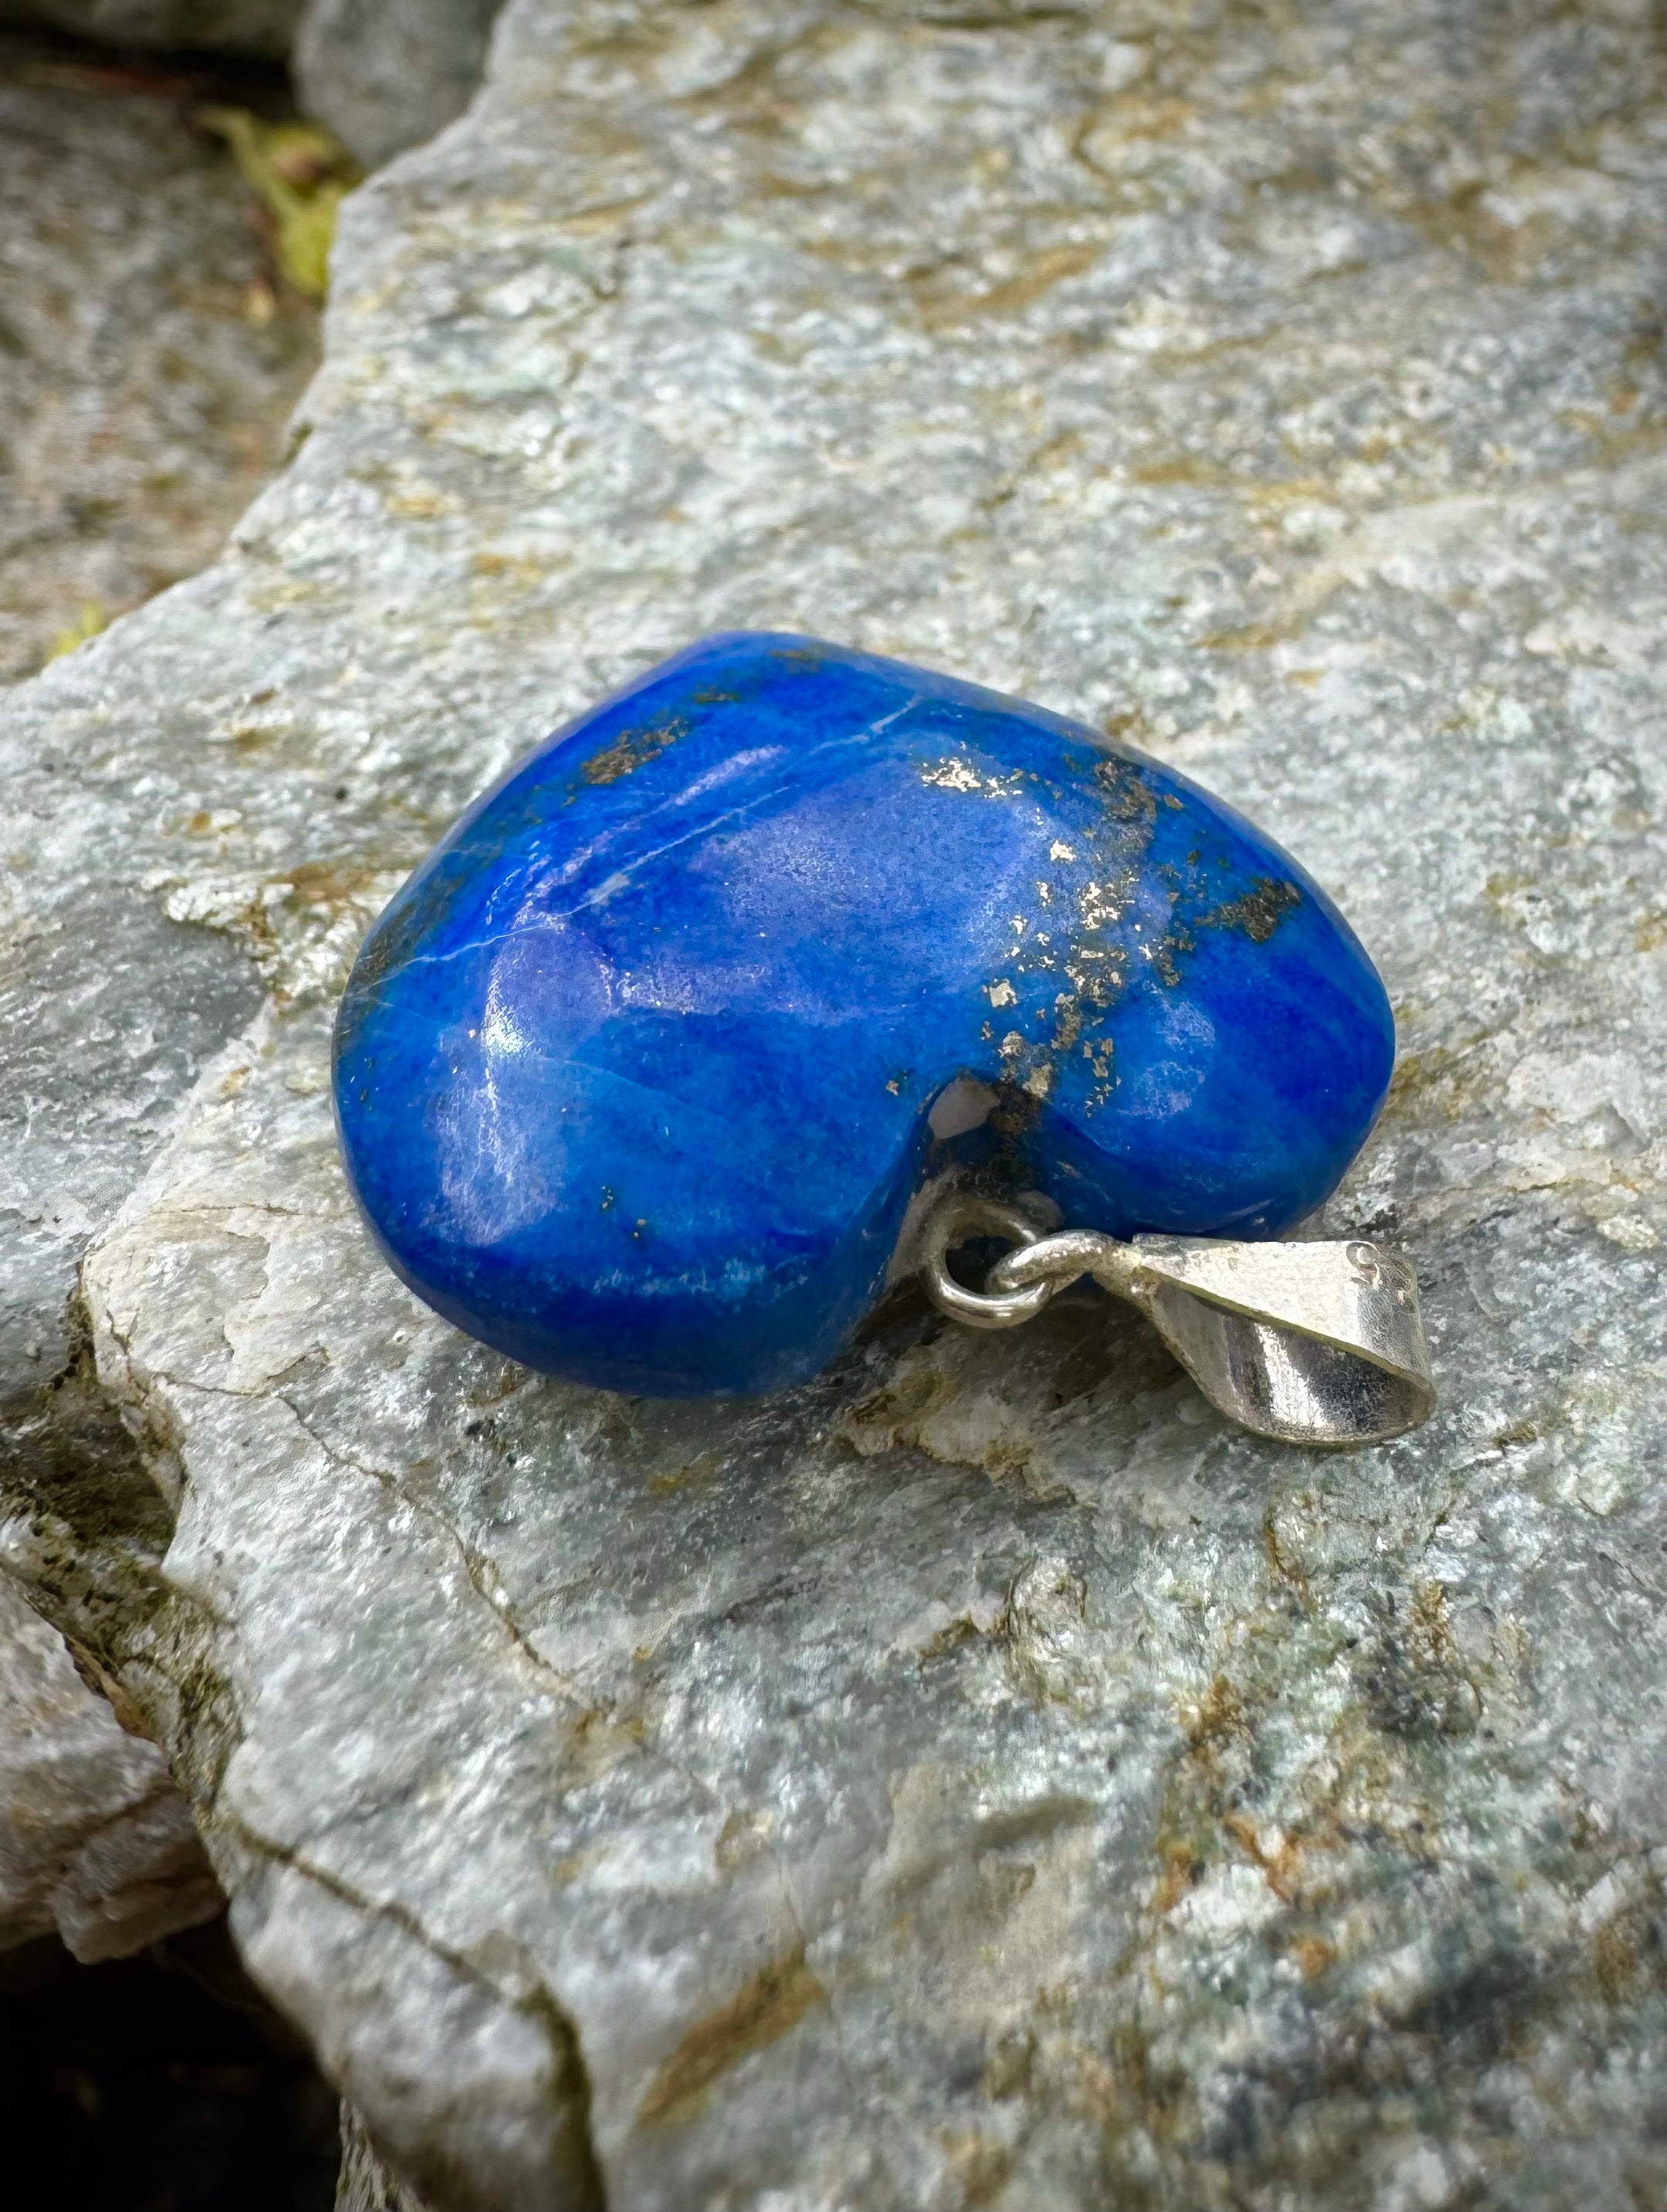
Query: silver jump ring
[{"x": 954, "y": 1224}]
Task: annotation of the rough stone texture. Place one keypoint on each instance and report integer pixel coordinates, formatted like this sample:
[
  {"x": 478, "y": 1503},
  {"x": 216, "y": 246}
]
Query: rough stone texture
[
  {"x": 148, "y": 361},
  {"x": 364, "y": 2182},
  {"x": 978, "y": 1777},
  {"x": 94, "y": 1841},
  {"x": 142, "y": 407},
  {"x": 239, "y": 26},
  {"x": 383, "y": 75},
  {"x": 388, "y": 74}
]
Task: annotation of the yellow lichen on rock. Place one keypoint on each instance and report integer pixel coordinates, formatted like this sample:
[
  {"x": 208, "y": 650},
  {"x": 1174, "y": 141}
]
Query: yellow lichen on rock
[
  {"x": 301, "y": 175},
  {"x": 89, "y": 620}
]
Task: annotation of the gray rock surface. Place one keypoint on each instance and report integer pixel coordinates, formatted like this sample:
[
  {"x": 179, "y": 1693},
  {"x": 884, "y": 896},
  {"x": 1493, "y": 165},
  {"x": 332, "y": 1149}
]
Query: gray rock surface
[
  {"x": 94, "y": 1840},
  {"x": 364, "y": 2182},
  {"x": 980, "y": 1777},
  {"x": 266, "y": 28},
  {"x": 384, "y": 75},
  {"x": 142, "y": 404},
  {"x": 148, "y": 359}
]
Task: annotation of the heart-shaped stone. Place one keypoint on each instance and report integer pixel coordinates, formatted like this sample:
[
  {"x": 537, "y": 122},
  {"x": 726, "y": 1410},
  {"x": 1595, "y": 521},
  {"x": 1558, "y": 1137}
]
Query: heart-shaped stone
[{"x": 637, "y": 1075}]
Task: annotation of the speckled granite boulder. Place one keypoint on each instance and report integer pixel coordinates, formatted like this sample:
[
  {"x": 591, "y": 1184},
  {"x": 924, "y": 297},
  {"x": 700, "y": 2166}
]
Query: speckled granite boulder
[
  {"x": 383, "y": 75},
  {"x": 148, "y": 364},
  {"x": 388, "y": 74},
  {"x": 978, "y": 1777}
]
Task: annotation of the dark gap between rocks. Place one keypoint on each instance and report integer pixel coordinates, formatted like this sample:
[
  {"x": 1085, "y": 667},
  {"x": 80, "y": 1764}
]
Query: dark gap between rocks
[{"x": 160, "y": 2083}]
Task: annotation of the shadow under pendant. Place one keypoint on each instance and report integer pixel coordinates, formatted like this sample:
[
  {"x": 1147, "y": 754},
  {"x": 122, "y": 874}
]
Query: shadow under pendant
[{"x": 636, "y": 1076}]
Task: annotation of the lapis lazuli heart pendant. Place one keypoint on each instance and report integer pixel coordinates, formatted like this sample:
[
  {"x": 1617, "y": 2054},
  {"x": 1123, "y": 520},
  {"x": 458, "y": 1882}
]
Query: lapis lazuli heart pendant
[{"x": 638, "y": 1075}]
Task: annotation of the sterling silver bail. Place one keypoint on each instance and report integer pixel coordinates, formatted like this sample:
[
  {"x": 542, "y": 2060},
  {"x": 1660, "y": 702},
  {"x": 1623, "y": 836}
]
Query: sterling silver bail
[{"x": 1313, "y": 1344}]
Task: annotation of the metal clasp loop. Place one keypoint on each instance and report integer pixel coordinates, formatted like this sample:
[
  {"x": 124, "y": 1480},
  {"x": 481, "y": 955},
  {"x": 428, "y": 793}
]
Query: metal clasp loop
[{"x": 1313, "y": 1344}]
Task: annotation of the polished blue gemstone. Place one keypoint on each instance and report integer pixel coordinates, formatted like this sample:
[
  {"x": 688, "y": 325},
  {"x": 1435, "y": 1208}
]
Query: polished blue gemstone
[{"x": 635, "y": 1076}]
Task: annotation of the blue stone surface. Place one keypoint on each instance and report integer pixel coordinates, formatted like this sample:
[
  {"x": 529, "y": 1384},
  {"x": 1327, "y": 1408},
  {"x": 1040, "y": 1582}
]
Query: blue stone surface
[{"x": 635, "y": 1076}]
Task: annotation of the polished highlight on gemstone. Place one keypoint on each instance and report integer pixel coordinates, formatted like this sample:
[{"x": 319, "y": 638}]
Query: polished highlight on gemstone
[{"x": 636, "y": 1076}]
